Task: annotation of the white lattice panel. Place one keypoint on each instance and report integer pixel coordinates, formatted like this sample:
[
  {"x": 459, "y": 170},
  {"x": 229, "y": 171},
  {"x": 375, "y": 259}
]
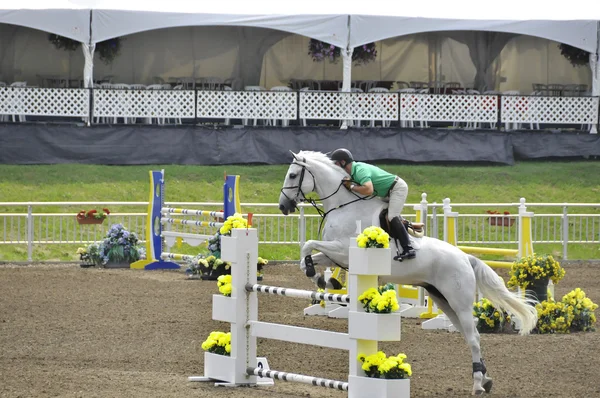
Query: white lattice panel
[
  {"x": 331, "y": 105},
  {"x": 144, "y": 103},
  {"x": 560, "y": 110},
  {"x": 44, "y": 101},
  {"x": 453, "y": 108},
  {"x": 247, "y": 104}
]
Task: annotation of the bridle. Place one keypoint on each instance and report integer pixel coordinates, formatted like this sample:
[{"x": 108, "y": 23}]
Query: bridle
[
  {"x": 322, "y": 213},
  {"x": 297, "y": 197}
]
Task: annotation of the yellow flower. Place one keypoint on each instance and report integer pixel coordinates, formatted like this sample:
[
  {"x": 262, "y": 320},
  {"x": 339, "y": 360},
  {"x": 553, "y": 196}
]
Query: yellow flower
[
  {"x": 225, "y": 289},
  {"x": 406, "y": 367}
]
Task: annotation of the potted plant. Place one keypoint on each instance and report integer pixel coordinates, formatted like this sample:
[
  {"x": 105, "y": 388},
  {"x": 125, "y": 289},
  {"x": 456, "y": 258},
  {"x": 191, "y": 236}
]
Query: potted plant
[
  {"x": 320, "y": 51},
  {"x": 107, "y": 50},
  {"x": 576, "y": 56},
  {"x": 119, "y": 249},
  {"x": 384, "y": 376},
  {"x": 223, "y": 305},
  {"x": 501, "y": 220},
  {"x": 372, "y": 254},
  {"x": 86, "y": 256},
  {"x": 583, "y": 308},
  {"x": 207, "y": 267},
  {"x": 489, "y": 318},
  {"x": 533, "y": 273},
  {"x": 574, "y": 313},
  {"x": 379, "y": 321},
  {"x": 260, "y": 263},
  {"x": 92, "y": 216},
  {"x": 218, "y": 363}
]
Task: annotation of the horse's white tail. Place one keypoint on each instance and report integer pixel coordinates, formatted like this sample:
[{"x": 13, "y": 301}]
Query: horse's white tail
[{"x": 492, "y": 287}]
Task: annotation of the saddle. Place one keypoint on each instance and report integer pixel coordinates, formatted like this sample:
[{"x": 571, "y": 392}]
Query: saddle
[{"x": 415, "y": 229}]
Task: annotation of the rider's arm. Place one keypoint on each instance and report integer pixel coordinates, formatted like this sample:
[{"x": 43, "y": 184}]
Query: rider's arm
[{"x": 365, "y": 189}]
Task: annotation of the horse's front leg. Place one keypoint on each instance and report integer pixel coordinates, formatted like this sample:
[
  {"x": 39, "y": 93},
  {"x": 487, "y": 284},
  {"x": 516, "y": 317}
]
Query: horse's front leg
[{"x": 331, "y": 252}]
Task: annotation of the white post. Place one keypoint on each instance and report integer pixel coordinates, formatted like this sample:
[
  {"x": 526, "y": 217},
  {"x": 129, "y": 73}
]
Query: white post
[
  {"x": 347, "y": 80},
  {"x": 241, "y": 249},
  {"x": 356, "y": 285}
]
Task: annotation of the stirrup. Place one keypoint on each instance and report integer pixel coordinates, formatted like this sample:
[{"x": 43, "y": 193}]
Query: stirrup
[
  {"x": 408, "y": 253},
  {"x": 398, "y": 256}
]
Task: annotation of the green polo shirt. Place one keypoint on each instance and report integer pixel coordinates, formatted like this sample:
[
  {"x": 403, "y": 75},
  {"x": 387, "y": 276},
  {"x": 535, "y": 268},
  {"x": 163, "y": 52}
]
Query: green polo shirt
[{"x": 381, "y": 179}]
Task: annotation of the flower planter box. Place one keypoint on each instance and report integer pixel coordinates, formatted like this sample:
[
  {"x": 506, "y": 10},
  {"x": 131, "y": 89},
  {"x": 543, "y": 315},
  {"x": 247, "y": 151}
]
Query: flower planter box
[
  {"x": 223, "y": 308},
  {"x": 376, "y": 327},
  {"x": 359, "y": 386},
  {"x": 84, "y": 221},
  {"x": 501, "y": 221},
  {"x": 370, "y": 261},
  {"x": 219, "y": 367}
]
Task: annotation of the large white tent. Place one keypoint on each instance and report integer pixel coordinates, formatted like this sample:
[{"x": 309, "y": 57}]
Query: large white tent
[{"x": 344, "y": 24}]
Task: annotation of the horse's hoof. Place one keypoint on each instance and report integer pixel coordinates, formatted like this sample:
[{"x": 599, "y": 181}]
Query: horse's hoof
[
  {"x": 321, "y": 283},
  {"x": 309, "y": 267},
  {"x": 487, "y": 386},
  {"x": 335, "y": 284}
]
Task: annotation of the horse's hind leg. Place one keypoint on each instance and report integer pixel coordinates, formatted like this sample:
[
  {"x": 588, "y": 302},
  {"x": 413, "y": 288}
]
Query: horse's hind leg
[
  {"x": 481, "y": 382},
  {"x": 464, "y": 323}
]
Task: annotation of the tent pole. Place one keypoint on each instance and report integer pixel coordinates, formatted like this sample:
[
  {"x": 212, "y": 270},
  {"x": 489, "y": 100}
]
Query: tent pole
[
  {"x": 595, "y": 66},
  {"x": 347, "y": 73}
]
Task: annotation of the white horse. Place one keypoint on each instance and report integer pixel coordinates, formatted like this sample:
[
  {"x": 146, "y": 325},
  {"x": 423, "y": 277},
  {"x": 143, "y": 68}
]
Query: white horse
[{"x": 449, "y": 275}]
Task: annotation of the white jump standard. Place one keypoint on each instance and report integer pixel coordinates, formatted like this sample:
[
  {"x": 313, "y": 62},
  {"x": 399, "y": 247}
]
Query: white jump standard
[{"x": 241, "y": 311}]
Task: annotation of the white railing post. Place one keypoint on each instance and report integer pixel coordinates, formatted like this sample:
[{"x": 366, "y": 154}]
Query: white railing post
[
  {"x": 565, "y": 231},
  {"x": 302, "y": 228},
  {"x": 29, "y": 233}
]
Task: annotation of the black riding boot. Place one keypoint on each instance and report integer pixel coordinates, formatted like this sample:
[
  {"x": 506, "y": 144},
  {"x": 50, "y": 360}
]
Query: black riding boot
[{"x": 400, "y": 231}]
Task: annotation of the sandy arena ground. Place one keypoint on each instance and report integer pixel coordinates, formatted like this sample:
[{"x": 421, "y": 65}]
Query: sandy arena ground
[{"x": 72, "y": 332}]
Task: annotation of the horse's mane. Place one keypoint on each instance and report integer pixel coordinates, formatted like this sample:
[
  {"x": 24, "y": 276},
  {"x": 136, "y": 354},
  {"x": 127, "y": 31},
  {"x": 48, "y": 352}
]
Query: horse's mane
[
  {"x": 317, "y": 157},
  {"x": 321, "y": 158}
]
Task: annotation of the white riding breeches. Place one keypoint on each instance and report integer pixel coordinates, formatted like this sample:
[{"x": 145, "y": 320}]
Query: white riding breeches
[{"x": 398, "y": 196}]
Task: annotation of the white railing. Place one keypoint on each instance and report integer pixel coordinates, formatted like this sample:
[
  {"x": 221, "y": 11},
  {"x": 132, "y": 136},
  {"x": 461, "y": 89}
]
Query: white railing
[
  {"x": 109, "y": 105},
  {"x": 24, "y": 224},
  {"x": 113, "y": 103},
  {"x": 555, "y": 110},
  {"x": 332, "y": 105},
  {"x": 449, "y": 108},
  {"x": 36, "y": 101}
]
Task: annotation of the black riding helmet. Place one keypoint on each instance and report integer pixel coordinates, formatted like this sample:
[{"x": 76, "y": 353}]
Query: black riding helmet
[{"x": 341, "y": 154}]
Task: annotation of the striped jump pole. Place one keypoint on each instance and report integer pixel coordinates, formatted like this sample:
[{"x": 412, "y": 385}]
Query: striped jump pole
[
  {"x": 297, "y": 293},
  {"x": 190, "y": 212},
  {"x": 293, "y": 377},
  {"x": 179, "y": 221},
  {"x": 176, "y": 256},
  {"x": 156, "y": 236}
]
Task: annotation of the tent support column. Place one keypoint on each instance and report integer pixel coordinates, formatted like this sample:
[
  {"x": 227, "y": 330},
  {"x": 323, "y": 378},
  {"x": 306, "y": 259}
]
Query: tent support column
[
  {"x": 347, "y": 74},
  {"x": 595, "y": 66}
]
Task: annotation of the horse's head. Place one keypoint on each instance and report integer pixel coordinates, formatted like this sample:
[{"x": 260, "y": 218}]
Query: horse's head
[{"x": 298, "y": 182}]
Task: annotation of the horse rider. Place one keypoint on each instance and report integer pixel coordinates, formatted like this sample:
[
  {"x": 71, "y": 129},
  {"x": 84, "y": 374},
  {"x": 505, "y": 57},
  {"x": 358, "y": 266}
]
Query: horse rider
[{"x": 367, "y": 179}]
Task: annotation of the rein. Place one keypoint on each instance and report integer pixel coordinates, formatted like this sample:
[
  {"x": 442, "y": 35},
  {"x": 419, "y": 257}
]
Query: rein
[{"x": 322, "y": 213}]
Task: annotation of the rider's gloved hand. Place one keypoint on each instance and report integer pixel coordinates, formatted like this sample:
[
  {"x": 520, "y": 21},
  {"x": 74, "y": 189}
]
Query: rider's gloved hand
[{"x": 347, "y": 182}]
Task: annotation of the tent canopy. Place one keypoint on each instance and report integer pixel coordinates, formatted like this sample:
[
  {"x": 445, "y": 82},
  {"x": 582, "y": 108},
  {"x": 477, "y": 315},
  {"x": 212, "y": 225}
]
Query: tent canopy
[
  {"x": 62, "y": 17},
  {"x": 324, "y": 20}
]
